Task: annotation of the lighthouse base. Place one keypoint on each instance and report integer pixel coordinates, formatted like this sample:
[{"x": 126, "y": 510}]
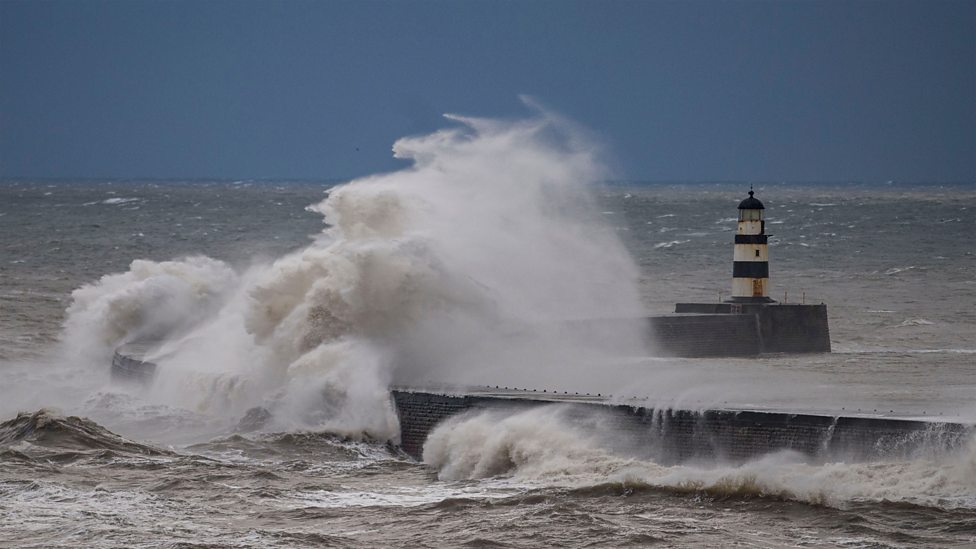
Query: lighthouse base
[
  {"x": 740, "y": 329},
  {"x": 751, "y": 299}
]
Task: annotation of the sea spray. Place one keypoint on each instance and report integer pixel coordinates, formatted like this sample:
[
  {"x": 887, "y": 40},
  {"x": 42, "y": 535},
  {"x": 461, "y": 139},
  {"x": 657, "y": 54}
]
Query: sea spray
[
  {"x": 151, "y": 301},
  {"x": 531, "y": 444},
  {"x": 475, "y": 264}
]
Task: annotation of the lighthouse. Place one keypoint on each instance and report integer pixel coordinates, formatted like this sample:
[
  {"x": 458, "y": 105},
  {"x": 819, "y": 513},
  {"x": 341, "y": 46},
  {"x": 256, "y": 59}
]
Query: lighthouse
[
  {"x": 748, "y": 324},
  {"x": 750, "y": 260}
]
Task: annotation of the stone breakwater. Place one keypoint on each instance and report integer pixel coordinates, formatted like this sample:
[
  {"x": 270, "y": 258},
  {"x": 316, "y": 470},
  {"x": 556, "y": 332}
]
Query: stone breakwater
[
  {"x": 675, "y": 436},
  {"x": 667, "y": 436}
]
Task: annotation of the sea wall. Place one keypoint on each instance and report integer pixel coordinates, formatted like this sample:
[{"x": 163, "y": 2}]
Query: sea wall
[
  {"x": 675, "y": 436},
  {"x": 667, "y": 436}
]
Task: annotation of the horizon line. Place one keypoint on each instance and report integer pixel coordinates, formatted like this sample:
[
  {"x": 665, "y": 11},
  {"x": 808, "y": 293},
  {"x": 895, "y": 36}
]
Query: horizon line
[{"x": 340, "y": 180}]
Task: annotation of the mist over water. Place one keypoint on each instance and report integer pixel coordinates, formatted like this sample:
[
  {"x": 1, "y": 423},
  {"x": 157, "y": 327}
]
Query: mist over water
[{"x": 493, "y": 257}]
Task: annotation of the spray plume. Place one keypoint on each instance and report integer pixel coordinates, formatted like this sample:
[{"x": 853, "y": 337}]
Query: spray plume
[{"x": 480, "y": 262}]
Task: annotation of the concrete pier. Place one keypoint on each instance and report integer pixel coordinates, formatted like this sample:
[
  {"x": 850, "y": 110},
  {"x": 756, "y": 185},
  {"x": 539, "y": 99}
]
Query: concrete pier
[
  {"x": 676, "y": 436},
  {"x": 667, "y": 436}
]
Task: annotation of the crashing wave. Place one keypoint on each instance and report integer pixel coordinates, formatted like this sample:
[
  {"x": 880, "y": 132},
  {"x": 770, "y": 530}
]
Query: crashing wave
[
  {"x": 48, "y": 431},
  {"x": 471, "y": 260},
  {"x": 541, "y": 445}
]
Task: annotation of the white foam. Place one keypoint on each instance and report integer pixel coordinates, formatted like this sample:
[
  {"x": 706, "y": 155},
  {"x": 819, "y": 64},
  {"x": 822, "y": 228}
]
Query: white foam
[
  {"x": 669, "y": 244},
  {"x": 397, "y": 496},
  {"x": 540, "y": 445},
  {"x": 916, "y": 322}
]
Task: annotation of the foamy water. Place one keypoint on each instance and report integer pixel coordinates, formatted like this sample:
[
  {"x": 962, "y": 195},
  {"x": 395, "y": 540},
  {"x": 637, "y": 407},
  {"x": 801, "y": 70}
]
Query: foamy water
[
  {"x": 476, "y": 264},
  {"x": 542, "y": 446}
]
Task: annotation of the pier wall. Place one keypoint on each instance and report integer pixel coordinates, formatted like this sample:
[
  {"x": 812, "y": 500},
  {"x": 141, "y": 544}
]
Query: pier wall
[
  {"x": 675, "y": 436},
  {"x": 666, "y": 436}
]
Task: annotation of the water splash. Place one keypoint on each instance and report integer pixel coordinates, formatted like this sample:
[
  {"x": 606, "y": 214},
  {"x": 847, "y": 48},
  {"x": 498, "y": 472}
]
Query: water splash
[
  {"x": 544, "y": 445},
  {"x": 470, "y": 265}
]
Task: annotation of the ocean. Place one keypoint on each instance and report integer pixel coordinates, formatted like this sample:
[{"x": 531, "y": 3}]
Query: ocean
[{"x": 310, "y": 299}]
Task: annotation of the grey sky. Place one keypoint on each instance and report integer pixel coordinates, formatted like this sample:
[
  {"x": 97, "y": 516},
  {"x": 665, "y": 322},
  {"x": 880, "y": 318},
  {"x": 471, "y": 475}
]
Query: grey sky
[{"x": 791, "y": 90}]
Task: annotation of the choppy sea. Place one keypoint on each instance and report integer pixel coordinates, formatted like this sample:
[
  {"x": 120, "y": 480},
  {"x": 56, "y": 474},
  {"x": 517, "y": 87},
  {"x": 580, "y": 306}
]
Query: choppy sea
[{"x": 228, "y": 269}]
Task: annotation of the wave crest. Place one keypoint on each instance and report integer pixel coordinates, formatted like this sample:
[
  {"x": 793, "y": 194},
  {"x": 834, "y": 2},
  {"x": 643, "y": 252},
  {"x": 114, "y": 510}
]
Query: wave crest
[
  {"x": 545, "y": 446},
  {"x": 46, "y": 431}
]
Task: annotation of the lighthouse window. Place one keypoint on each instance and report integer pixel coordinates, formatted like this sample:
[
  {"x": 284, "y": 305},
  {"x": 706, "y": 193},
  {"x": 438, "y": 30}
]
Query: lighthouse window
[
  {"x": 757, "y": 253},
  {"x": 750, "y": 215}
]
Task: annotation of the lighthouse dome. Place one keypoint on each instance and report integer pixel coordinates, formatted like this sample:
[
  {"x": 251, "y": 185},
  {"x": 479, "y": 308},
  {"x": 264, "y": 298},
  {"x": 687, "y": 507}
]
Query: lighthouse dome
[{"x": 751, "y": 203}]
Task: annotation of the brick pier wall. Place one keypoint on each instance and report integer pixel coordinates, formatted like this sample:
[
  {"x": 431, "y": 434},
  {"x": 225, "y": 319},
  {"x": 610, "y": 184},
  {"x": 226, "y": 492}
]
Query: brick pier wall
[
  {"x": 675, "y": 436},
  {"x": 669, "y": 436}
]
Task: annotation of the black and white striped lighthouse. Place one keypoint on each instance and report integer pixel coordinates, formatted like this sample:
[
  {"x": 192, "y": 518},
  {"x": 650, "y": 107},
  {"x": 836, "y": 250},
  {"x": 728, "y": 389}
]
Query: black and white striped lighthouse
[{"x": 750, "y": 261}]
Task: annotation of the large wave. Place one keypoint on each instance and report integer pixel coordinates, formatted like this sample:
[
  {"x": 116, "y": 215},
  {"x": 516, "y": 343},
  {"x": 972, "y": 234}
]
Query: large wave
[
  {"x": 543, "y": 445},
  {"x": 474, "y": 264},
  {"x": 47, "y": 435}
]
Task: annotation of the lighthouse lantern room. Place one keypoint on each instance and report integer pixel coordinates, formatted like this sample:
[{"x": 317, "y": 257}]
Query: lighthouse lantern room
[{"x": 750, "y": 266}]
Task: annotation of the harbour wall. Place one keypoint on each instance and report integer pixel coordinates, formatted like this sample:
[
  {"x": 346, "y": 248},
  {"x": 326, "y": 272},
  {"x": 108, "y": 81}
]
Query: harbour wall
[
  {"x": 666, "y": 436},
  {"x": 676, "y": 436}
]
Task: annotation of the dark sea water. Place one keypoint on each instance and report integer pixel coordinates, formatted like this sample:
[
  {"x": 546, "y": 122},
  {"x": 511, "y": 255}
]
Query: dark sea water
[{"x": 91, "y": 464}]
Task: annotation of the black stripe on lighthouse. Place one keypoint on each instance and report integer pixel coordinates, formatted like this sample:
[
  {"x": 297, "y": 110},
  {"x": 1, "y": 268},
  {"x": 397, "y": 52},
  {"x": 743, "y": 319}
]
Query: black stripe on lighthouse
[
  {"x": 750, "y": 269},
  {"x": 750, "y": 238}
]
